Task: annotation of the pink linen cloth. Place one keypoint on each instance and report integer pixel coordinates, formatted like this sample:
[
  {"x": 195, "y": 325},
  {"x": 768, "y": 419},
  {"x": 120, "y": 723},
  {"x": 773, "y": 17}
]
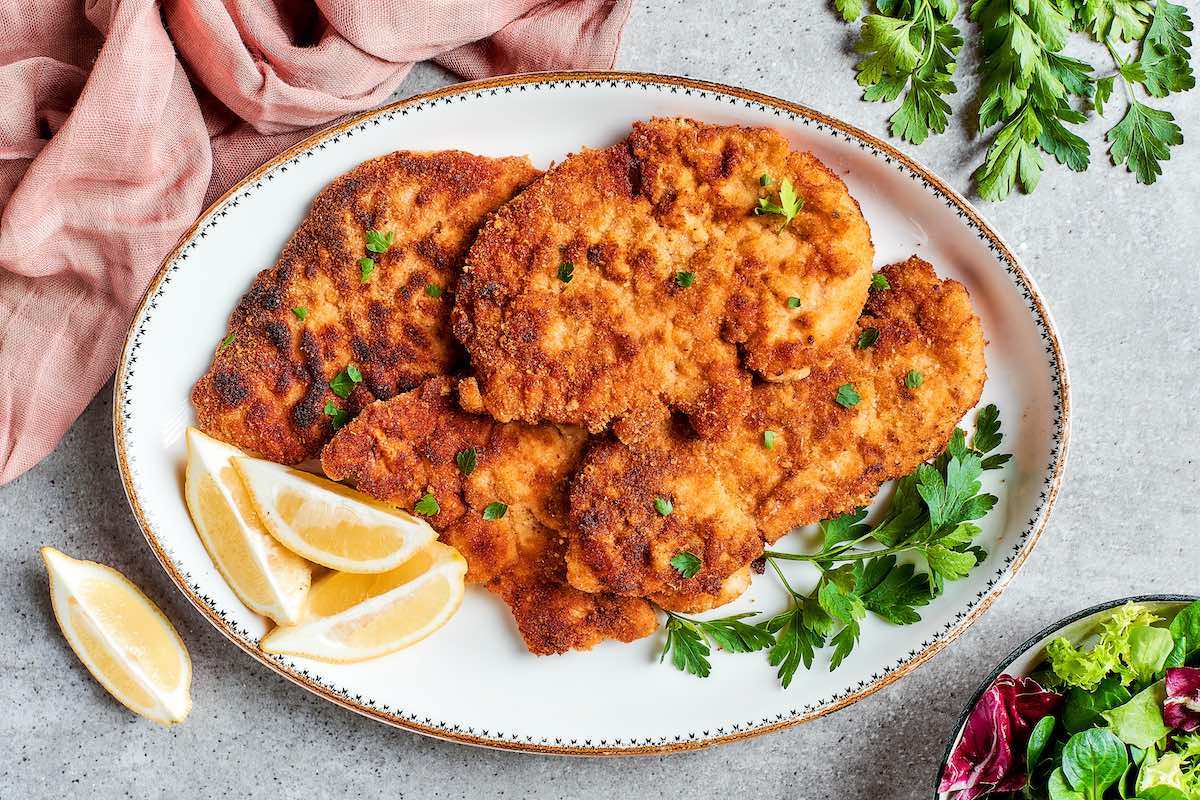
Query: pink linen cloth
[{"x": 120, "y": 120}]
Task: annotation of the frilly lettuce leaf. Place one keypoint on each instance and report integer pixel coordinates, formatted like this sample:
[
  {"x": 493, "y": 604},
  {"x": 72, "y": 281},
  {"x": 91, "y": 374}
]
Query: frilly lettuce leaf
[{"x": 1111, "y": 653}]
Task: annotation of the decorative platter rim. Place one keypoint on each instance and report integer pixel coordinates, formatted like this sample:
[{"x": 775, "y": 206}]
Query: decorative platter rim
[{"x": 456, "y": 732}]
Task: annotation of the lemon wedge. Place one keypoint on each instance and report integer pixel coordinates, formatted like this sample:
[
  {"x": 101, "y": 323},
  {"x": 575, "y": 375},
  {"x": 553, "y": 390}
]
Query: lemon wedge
[
  {"x": 269, "y": 578},
  {"x": 121, "y": 637},
  {"x": 328, "y": 523},
  {"x": 353, "y": 617}
]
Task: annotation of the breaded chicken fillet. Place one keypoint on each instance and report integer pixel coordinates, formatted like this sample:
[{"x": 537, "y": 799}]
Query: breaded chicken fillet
[
  {"x": 821, "y": 458},
  {"x": 321, "y": 307},
  {"x": 638, "y": 278},
  {"x": 399, "y": 449}
]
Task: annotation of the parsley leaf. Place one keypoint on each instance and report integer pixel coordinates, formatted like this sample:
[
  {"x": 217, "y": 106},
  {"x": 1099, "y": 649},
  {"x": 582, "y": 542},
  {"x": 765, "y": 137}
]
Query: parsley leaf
[
  {"x": 301, "y": 313},
  {"x": 466, "y": 460},
  {"x": 913, "y": 379},
  {"x": 685, "y": 279},
  {"x": 867, "y": 337},
  {"x": 685, "y": 563},
  {"x": 987, "y": 430},
  {"x": 433, "y": 290},
  {"x": 566, "y": 271},
  {"x": 343, "y": 383},
  {"x": 494, "y": 511},
  {"x": 664, "y": 507},
  {"x": 789, "y": 204},
  {"x": 228, "y": 340},
  {"x": 1164, "y": 61},
  {"x": 688, "y": 640},
  {"x": 891, "y": 590},
  {"x": 366, "y": 268},
  {"x": 793, "y": 302},
  {"x": 849, "y": 9},
  {"x": 847, "y": 397},
  {"x": 338, "y": 416},
  {"x": 427, "y": 506},
  {"x": 1142, "y": 140},
  {"x": 879, "y": 282},
  {"x": 769, "y": 440},
  {"x": 378, "y": 242}
]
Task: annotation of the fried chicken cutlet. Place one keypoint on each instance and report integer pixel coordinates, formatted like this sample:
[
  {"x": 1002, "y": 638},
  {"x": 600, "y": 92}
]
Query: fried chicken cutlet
[
  {"x": 399, "y": 449},
  {"x": 823, "y": 458},
  {"x": 322, "y": 307},
  {"x": 638, "y": 277}
]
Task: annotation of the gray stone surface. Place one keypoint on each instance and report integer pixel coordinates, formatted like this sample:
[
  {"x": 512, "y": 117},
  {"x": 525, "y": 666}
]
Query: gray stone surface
[{"x": 1118, "y": 263}]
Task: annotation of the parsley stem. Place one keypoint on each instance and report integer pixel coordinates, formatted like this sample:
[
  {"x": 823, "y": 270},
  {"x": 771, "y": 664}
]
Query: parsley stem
[
  {"x": 779, "y": 572},
  {"x": 840, "y": 555}
]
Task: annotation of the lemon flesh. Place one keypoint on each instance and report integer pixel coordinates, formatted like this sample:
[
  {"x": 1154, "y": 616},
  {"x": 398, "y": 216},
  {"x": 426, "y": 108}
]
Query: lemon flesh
[
  {"x": 270, "y": 579},
  {"x": 328, "y": 523},
  {"x": 121, "y": 636},
  {"x": 353, "y": 617}
]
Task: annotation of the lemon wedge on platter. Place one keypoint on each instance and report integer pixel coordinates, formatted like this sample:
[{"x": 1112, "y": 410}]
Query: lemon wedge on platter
[
  {"x": 270, "y": 579},
  {"x": 121, "y": 636},
  {"x": 353, "y": 617},
  {"x": 328, "y": 523}
]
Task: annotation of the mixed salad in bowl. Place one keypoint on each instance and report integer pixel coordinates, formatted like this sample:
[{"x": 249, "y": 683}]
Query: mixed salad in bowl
[{"x": 1113, "y": 713}]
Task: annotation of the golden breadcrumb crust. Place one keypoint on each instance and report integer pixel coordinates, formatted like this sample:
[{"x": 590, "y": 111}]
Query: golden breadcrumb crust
[
  {"x": 267, "y": 387},
  {"x": 399, "y": 449},
  {"x": 731, "y": 495},
  {"x": 625, "y": 336}
]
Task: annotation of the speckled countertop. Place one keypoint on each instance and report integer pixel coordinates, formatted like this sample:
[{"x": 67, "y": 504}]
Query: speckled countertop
[{"x": 1119, "y": 266}]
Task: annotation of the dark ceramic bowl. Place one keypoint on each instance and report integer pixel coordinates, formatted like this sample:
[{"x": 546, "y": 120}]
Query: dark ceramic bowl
[{"x": 1026, "y": 658}]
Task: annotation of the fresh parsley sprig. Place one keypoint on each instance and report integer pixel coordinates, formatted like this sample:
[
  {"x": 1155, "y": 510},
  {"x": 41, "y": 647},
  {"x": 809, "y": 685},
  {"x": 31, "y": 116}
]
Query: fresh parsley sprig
[
  {"x": 930, "y": 517},
  {"x": 1027, "y": 88},
  {"x": 1031, "y": 95},
  {"x": 910, "y": 46},
  {"x": 688, "y": 640}
]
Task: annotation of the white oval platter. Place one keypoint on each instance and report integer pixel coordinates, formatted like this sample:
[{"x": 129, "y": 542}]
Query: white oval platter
[{"x": 474, "y": 682}]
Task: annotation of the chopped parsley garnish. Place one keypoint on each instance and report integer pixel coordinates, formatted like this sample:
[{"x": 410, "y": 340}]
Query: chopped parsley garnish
[
  {"x": 793, "y": 302},
  {"x": 663, "y": 506},
  {"x": 338, "y": 416},
  {"x": 769, "y": 440},
  {"x": 685, "y": 279},
  {"x": 879, "y": 282},
  {"x": 867, "y": 337},
  {"x": 433, "y": 290},
  {"x": 466, "y": 460},
  {"x": 427, "y": 506},
  {"x": 343, "y": 383},
  {"x": 379, "y": 242},
  {"x": 686, "y": 564},
  {"x": 301, "y": 313},
  {"x": 494, "y": 511},
  {"x": 566, "y": 271},
  {"x": 789, "y": 204},
  {"x": 366, "y": 267},
  {"x": 847, "y": 397},
  {"x": 913, "y": 379},
  {"x": 228, "y": 340}
]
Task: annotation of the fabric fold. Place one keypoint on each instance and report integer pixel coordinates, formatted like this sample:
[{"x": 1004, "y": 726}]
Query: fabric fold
[{"x": 118, "y": 129}]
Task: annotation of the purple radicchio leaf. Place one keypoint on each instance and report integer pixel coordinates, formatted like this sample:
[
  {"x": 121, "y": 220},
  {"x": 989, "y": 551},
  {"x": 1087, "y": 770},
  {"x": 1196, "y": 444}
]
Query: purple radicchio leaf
[
  {"x": 1181, "y": 709},
  {"x": 990, "y": 755}
]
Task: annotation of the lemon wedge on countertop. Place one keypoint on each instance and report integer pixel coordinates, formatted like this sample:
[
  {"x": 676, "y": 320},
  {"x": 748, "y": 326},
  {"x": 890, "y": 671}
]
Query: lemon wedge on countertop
[
  {"x": 353, "y": 617},
  {"x": 266, "y": 576},
  {"x": 328, "y": 523},
  {"x": 123, "y": 639}
]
